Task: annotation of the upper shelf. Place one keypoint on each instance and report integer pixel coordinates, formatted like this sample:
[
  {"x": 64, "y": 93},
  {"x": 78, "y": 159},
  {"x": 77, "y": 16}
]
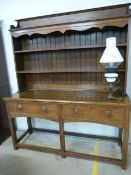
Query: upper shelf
[
  {"x": 63, "y": 71},
  {"x": 66, "y": 48}
]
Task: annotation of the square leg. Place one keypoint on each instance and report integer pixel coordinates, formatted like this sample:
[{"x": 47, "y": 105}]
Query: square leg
[
  {"x": 125, "y": 141},
  {"x": 13, "y": 132},
  {"x": 62, "y": 137},
  {"x": 120, "y": 133}
]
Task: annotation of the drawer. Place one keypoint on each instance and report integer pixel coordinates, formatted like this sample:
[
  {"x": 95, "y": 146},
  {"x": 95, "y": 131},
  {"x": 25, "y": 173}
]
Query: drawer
[
  {"x": 93, "y": 113},
  {"x": 41, "y": 109}
]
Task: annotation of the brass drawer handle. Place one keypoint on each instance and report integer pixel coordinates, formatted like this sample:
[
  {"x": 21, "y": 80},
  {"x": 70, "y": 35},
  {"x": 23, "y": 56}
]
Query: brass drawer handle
[
  {"x": 107, "y": 114},
  {"x": 44, "y": 109},
  {"x": 20, "y": 107},
  {"x": 75, "y": 111}
]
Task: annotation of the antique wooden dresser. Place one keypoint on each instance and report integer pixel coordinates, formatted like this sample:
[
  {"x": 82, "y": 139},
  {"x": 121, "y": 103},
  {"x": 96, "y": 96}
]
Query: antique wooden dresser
[{"x": 60, "y": 77}]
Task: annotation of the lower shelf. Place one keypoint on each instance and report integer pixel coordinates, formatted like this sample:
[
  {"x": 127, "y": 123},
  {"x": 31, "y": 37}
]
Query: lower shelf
[
  {"x": 74, "y": 144},
  {"x": 93, "y": 147}
]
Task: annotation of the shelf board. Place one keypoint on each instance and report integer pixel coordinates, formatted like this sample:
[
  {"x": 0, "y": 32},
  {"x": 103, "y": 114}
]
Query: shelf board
[
  {"x": 61, "y": 71},
  {"x": 65, "y": 48}
]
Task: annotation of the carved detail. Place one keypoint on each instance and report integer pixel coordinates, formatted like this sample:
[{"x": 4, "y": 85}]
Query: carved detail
[{"x": 63, "y": 28}]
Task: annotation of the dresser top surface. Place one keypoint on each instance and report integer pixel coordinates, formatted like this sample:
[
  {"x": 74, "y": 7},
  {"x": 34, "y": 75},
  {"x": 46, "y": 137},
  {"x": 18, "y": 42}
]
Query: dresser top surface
[{"x": 81, "y": 96}]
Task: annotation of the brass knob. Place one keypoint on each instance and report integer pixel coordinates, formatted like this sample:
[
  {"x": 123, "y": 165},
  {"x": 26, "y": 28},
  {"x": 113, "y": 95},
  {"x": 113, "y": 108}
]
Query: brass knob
[
  {"x": 107, "y": 114},
  {"x": 20, "y": 107},
  {"x": 75, "y": 111},
  {"x": 44, "y": 109}
]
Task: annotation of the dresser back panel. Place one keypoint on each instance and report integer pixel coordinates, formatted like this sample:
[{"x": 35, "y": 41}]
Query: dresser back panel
[{"x": 71, "y": 58}]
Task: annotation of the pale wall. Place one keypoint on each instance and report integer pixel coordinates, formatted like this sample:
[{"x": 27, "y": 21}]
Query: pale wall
[{"x": 14, "y": 9}]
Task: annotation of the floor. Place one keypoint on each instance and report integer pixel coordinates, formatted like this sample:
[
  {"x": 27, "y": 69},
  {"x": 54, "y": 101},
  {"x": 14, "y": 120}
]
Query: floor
[
  {"x": 4, "y": 134},
  {"x": 29, "y": 162}
]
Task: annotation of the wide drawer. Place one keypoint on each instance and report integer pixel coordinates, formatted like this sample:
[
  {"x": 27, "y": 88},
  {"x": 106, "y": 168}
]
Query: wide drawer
[
  {"x": 93, "y": 113},
  {"x": 33, "y": 109}
]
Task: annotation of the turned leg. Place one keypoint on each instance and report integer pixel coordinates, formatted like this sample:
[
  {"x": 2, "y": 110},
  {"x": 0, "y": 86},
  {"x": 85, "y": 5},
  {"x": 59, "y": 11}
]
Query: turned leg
[
  {"x": 125, "y": 142},
  {"x": 13, "y": 132},
  {"x": 29, "y": 125},
  {"x": 62, "y": 137},
  {"x": 120, "y": 136}
]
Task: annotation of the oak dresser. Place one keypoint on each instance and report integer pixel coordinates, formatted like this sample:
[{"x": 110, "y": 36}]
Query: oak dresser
[{"x": 60, "y": 78}]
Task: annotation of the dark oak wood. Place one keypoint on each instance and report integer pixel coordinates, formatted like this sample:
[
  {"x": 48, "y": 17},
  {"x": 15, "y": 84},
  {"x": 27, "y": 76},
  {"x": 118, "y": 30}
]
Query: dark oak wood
[
  {"x": 72, "y": 59},
  {"x": 60, "y": 77},
  {"x": 110, "y": 12},
  {"x": 66, "y": 48},
  {"x": 62, "y": 70}
]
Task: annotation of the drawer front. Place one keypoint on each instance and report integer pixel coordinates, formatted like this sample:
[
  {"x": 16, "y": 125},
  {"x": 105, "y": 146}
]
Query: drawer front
[
  {"x": 93, "y": 113},
  {"x": 41, "y": 109}
]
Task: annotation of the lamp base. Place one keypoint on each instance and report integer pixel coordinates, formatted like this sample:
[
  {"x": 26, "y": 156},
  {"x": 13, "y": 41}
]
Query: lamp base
[{"x": 110, "y": 96}]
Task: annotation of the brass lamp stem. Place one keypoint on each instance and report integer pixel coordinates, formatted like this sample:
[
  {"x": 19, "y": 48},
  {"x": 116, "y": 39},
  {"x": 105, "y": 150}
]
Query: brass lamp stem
[{"x": 110, "y": 87}]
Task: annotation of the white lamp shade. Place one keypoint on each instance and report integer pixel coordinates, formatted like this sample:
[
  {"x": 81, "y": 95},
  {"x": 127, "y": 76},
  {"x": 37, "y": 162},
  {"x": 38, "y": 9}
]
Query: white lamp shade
[{"x": 111, "y": 56}]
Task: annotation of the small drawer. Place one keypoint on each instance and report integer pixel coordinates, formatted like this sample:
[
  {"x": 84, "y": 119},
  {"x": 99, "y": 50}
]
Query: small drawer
[
  {"x": 76, "y": 110},
  {"x": 92, "y": 113},
  {"x": 33, "y": 109}
]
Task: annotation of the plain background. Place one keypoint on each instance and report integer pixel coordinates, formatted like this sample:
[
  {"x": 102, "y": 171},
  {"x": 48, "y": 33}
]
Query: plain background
[{"x": 16, "y": 9}]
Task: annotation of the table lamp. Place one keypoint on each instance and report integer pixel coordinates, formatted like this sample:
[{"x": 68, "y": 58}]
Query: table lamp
[{"x": 111, "y": 59}]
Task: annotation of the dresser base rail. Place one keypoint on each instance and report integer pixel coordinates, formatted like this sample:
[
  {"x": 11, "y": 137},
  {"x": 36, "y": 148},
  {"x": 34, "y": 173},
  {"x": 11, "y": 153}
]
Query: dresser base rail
[
  {"x": 94, "y": 157},
  {"x": 23, "y": 135},
  {"x": 38, "y": 148}
]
